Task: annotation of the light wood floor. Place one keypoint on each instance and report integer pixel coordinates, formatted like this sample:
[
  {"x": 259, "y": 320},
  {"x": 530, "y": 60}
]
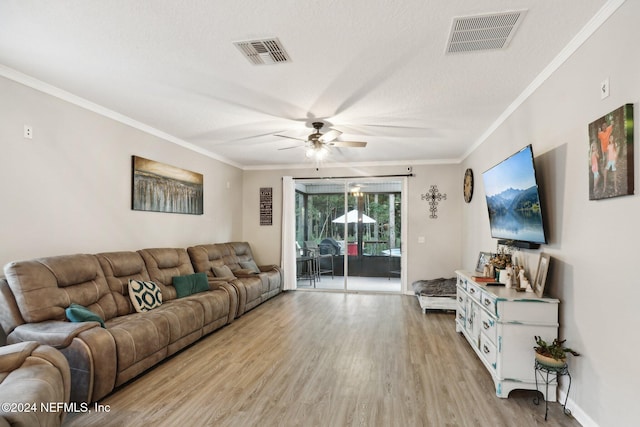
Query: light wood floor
[{"x": 324, "y": 359}]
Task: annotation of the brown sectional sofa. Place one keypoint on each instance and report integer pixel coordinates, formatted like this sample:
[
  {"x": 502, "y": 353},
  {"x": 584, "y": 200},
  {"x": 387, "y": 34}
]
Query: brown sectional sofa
[
  {"x": 36, "y": 293},
  {"x": 252, "y": 288},
  {"x": 32, "y": 374}
]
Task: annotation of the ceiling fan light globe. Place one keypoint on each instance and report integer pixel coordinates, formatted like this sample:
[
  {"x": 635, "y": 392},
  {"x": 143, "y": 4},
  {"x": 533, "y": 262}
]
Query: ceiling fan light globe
[{"x": 322, "y": 152}]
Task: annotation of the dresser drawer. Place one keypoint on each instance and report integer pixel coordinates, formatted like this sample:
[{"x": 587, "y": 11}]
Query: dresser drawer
[
  {"x": 488, "y": 302},
  {"x": 489, "y": 326},
  {"x": 461, "y": 318},
  {"x": 488, "y": 350},
  {"x": 461, "y": 298},
  {"x": 474, "y": 291},
  {"x": 461, "y": 308},
  {"x": 462, "y": 282}
]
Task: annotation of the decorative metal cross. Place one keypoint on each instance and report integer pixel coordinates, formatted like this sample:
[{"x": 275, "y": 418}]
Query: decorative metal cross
[{"x": 434, "y": 196}]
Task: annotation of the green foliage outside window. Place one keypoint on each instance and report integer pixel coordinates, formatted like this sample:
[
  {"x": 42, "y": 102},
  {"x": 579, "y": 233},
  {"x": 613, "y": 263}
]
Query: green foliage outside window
[{"x": 322, "y": 209}]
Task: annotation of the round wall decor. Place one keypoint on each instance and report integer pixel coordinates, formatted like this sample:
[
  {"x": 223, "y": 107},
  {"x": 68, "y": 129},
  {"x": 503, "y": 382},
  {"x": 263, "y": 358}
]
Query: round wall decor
[{"x": 468, "y": 185}]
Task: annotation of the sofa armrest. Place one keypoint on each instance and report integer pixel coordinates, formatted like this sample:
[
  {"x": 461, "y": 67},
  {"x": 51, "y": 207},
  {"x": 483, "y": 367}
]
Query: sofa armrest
[
  {"x": 217, "y": 282},
  {"x": 12, "y": 356},
  {"x": 269, "y": 267},
  {"x": 89, "y": 349},
  {"x": 33, "y": 374},
  {"x": 240, "y": 274},
  {"x": 10, "y": 316},
  {"x": 55, "y": 333}
]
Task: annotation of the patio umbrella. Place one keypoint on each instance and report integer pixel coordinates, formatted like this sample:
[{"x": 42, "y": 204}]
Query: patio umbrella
[{"x": 352, "y": 217}]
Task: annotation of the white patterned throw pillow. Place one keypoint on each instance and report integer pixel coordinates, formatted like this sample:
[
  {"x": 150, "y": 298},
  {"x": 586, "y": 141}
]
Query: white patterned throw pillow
[{"x": 144, "y": 295}]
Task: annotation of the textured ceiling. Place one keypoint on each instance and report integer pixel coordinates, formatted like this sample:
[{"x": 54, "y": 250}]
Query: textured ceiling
[{"x": 375, "y": 70}]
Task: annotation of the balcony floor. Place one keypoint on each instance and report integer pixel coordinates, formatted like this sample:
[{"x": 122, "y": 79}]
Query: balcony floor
[{"x": 354, "y": 283}]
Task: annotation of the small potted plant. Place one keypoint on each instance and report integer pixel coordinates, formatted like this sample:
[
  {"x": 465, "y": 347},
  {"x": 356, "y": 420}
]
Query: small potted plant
[{"x": 553, "y": 355}]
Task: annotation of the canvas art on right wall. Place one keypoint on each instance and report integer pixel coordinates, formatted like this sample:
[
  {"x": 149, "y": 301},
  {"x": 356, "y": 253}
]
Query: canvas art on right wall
[{"x": 611, "y": 154}]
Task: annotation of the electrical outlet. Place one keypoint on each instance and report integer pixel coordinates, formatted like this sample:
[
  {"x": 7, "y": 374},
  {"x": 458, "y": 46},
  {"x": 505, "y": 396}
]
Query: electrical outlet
[
  {"x": 604, "y": 88},
  {"x": 28, "y": 132}
]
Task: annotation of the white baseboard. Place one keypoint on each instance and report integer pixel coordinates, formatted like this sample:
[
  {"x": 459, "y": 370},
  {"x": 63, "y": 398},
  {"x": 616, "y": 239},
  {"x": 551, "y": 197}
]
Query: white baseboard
[{"x": 576, "y": 411}]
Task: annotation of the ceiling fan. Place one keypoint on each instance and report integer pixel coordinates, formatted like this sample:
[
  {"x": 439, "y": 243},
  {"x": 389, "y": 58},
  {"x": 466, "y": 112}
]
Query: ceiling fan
[{"x": 318, "y": 144}]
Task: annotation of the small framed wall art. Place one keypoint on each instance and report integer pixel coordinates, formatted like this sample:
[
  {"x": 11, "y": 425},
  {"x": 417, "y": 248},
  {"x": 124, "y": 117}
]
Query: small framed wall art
[
  {"x": 611, "y": 154},
  {"x": 266, "y": 205}
]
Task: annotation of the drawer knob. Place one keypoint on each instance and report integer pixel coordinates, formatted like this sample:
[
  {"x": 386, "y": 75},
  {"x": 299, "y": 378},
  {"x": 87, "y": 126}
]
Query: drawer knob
[
  {"x": 460, "y": 299},
  {"x": 486, "y": 349},
  {"x": 485, "y": 325},
  {"x": 487, "y": 302},
  {"x": 472, "y": 290}
]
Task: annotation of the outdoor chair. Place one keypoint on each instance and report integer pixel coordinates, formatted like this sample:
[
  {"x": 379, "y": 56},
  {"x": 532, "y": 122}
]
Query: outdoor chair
[{"x": 313, "y": 250}]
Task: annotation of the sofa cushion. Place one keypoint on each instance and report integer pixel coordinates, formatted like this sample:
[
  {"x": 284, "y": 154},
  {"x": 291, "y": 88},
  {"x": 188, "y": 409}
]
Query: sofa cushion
[
  {"x": 216, "y": 306},
  {"x": 45, "y": 287},
  {"x": 78, "y": 313},
  {"x": 240, "y": 252},
  {"x": 205, "y": 257},
  {"x": 10, "y": 316},
  {"x": 163, "y": 264},
  {"x": 119, "y": 268},
  {"x": 223, "y": 271},
  {"x": 185, "y": 319},
  {"x": 144, "y": 296},
  {"x": 139, "y": 336},
  {"x": 249, "y": 265},
  {"x": 190, "y": 284}
]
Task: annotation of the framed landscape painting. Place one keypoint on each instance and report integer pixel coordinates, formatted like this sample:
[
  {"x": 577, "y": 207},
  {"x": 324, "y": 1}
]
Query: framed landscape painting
[
  {"x": 611, "y": 154},
  {"x": 159, "y": 187}
]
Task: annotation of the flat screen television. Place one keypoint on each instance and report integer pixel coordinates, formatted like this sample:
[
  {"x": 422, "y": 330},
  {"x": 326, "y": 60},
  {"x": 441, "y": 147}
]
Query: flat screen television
[{"x": 513, "y": 200}]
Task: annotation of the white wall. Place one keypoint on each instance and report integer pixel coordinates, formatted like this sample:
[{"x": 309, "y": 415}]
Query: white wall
[
  {"x": 437, "y": 257},
  {"x": 68, "y": 190},
  {"x": 593, "y": 243}
]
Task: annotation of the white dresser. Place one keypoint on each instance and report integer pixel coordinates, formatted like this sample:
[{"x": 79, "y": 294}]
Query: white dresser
[{"x": 500, "y": 324}]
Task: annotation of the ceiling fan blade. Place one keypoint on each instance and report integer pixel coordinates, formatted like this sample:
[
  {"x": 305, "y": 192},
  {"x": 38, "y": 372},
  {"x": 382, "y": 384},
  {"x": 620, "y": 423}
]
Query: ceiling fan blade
[
  {"x": 330, "y": 136},
  {"x": 353, "y": 144},
  {"x": 383, "y": 130},
  {"x": 289, "y": 148},
  {"x": 290, "y": 137}
]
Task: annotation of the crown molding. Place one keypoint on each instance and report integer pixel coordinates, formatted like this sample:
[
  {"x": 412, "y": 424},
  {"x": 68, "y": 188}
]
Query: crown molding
[{"x": 41, "y": 86}]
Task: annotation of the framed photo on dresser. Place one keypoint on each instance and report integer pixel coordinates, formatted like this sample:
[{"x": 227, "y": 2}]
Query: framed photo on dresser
[
  {"x": 541, "y": 274},
  {"x": 483, "y": 259}
]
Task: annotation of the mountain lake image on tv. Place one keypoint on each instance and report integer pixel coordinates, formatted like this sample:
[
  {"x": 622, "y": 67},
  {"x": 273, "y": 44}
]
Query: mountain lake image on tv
[{"x": 513, "y": 199}]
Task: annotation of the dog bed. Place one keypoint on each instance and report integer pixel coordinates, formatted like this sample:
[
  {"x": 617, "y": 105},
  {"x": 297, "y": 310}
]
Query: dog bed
[{"x": 436, "y": 294}]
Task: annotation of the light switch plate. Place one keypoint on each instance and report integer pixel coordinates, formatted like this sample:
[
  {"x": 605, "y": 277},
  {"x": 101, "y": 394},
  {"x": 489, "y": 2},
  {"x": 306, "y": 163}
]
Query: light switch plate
[
  {"x": 604, "y": 88},
  {"x": 28, "y": 132}
]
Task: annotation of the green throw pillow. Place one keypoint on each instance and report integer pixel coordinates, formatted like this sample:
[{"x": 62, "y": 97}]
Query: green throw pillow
[
  {"x": 190, "y": 284},
  {"x": 78, "y": 313}
]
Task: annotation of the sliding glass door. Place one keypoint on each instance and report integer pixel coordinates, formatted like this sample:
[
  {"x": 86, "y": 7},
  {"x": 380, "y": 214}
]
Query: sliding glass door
[
  {"x": 374, "y": 235},
  {"x": 348, "y": 234}
]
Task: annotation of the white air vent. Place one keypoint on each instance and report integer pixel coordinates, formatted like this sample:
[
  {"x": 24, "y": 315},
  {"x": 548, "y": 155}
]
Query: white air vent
[
  {"x": 483, "y": 32},
  {"x": 261, "y": 52}
]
